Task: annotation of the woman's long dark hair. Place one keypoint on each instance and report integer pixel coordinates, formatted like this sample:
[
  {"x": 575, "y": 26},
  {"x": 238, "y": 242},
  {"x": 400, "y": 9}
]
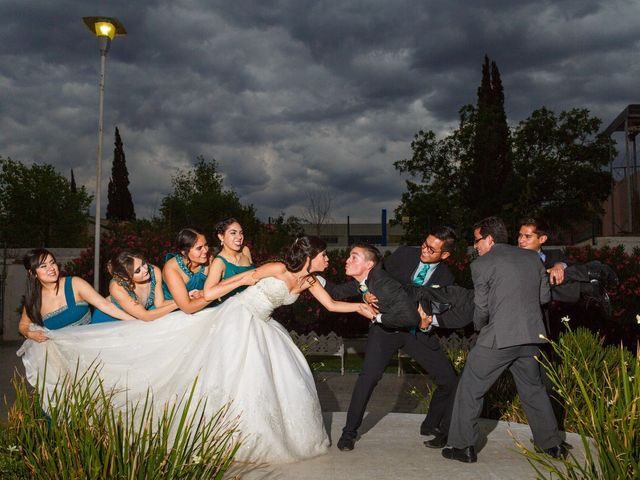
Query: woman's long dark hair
[
  {"x": 185, "y": 240},
  {"x": 304, "y": 247},
  {"x": 33, "y": 293},
  {"x": 120, "y": 267}
]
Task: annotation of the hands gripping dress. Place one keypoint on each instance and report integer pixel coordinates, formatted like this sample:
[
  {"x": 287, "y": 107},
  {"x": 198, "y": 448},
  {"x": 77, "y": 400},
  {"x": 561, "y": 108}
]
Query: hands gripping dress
[{"x": 239, "y": 353}]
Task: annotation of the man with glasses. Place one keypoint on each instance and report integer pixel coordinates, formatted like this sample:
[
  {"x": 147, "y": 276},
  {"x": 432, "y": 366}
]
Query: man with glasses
[
  {"x": 421, "y": 266},
  {"x": 510, "y": 285}
]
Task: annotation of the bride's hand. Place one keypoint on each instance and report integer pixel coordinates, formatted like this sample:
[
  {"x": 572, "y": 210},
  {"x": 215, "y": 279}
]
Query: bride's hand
[{"x": 371, "y": 299}]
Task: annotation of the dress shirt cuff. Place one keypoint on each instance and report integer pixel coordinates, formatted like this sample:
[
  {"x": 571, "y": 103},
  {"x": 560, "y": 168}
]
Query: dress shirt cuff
[{"x": 378, "y": 318}]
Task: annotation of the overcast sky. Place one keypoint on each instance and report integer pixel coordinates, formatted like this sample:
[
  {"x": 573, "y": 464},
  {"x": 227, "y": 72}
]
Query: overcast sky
[{"x": 294, "y": 96}]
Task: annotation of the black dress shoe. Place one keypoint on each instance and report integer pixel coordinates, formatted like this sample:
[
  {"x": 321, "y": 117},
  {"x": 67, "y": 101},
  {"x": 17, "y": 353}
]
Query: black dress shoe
[
  {"x": 559, "y": 451},
  {"x": 434, "y": 308},
  {"x": 427, "y": 430},
  {"x": 466, "y": 455},
  {"x": 346, "y": 443},
  {"x": 439, "y": 441}
]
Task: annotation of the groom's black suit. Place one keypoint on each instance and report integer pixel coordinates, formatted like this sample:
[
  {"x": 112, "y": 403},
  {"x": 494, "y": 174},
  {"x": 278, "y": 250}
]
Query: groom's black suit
[{"x": 386, "y": 338}]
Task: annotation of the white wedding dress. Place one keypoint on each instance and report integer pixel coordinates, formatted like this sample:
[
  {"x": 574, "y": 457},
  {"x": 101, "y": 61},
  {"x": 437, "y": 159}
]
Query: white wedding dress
[{"x": 237, "y": 351}]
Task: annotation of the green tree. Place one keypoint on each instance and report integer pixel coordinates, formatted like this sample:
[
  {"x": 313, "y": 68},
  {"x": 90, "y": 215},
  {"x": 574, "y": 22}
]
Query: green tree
[
  {"x": 120, "y": 205},
  {"x": 549, "y": 166},
  {"x": 39, "y": 208},
  {"x": 439, "y": 169},
  {"x": 559, "y": 165},
  {"x": 491, "y": 157},
  {"x": 200, "y": 200}
]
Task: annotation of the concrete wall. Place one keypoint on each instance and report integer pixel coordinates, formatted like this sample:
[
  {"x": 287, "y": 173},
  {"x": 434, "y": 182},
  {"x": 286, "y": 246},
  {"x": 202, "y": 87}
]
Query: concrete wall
[{"x": 15, "y": 284}]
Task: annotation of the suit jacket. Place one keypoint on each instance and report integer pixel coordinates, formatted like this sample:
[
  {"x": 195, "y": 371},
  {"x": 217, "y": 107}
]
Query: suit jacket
[
  {"x": 510, "y": 285},
  {"x": 403, "y": 263},
  {"x": 554, "y": 256},
  {"x": 397, "y": 309}
]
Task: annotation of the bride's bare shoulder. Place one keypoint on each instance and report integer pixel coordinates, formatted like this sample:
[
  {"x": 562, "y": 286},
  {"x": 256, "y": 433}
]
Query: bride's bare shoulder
[{"x": 271, "y": 269}]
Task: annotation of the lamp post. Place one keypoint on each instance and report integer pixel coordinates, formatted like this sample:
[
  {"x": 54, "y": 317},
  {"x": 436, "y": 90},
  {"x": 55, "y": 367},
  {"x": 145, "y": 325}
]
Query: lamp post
[{"x": 105, "y": 28}]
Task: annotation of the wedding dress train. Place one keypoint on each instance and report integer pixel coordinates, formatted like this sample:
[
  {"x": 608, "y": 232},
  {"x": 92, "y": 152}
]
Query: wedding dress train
[{"x": 237, "y": 351}]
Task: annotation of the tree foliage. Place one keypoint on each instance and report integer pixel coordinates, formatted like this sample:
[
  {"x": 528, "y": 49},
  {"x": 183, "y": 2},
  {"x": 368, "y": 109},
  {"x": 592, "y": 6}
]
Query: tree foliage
[
  {"x": 200, "y": 200},
  {"x": 39, "y": 208},
  {"x": 120, "y": 205},
  {"x": 491, "y": 157},
  {"x": 549, "y": 166},
  {"x": 559, "y": 166}
]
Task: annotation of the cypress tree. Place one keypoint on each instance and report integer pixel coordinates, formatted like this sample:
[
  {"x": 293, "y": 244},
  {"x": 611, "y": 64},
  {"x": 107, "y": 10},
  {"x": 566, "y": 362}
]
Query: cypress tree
[
  {"x": 73, "y": 187},
  {"x": 488, "y": 187},
  {"x": 120, "y": 204}
]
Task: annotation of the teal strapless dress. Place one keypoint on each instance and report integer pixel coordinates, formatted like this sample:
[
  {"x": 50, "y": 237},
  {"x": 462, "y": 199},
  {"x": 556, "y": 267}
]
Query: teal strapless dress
[
  {"x": 229, "y": 271},
  {"x": 73, "y": 314},
  {"x": 100, "y": 317},
  {"x": 195, "y": 282}
]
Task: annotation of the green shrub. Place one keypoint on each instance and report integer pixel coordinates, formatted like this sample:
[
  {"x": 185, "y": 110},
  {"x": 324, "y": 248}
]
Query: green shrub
[
  {"x": 600, "y": 388},
  {"x": 82, "y": 436}
]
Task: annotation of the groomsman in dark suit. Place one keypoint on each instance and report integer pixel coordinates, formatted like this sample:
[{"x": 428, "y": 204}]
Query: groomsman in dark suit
[
  {"x": 420, "y": 266},
  {"x": 510, "y": 285},
  {"x": 569, "y": 283}
]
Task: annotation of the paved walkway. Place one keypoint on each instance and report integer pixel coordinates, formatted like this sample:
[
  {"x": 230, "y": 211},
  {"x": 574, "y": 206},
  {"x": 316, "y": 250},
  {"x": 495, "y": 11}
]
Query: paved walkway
[{"x": 389, "y": 446}]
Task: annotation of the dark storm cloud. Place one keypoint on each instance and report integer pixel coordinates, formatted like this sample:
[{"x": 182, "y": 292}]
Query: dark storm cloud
[{"x": 294, "y": 96}]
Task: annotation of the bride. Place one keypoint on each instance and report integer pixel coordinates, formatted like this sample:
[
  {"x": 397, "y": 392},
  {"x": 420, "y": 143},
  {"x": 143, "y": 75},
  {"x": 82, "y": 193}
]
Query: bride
[{"x": 237, "y": 351}]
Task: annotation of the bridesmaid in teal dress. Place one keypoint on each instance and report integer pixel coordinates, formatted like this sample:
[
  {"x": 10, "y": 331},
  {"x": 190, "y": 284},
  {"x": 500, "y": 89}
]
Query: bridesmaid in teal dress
[
  {"x": 185, "y": 272},
  {"x": 234, "y": 258},
  {"x": 48, "y": 306},
  {"x": 136, "y": 288}
]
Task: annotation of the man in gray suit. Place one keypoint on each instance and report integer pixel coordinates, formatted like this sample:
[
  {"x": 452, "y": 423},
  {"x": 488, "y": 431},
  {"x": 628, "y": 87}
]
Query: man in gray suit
[{"x": 510, "y": 285}]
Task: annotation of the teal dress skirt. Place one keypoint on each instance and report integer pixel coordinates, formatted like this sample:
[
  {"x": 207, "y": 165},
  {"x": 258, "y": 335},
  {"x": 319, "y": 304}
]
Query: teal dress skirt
[
  {"x": 229, "y": 271},
  {"x": 73, "y": 314},
  {"x": 100, "y": 317}
]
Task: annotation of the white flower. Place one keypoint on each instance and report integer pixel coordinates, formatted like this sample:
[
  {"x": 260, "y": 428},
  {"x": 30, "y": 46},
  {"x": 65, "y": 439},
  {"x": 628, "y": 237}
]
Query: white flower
[
  {"x": 638, "y": 319},
  {"x": 434, "y": 286},
  {"x": 13, "y": 448},
  {"x": 196, "y": 459},
  {"x": 565, "y": 319},
  {"x": 609, "y": 402}
]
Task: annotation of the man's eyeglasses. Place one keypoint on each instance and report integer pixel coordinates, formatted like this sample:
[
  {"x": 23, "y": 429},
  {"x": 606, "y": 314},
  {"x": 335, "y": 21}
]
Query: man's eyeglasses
[
  {"x": 430, "y": 250},
  {"x": 476, "y": 240}
]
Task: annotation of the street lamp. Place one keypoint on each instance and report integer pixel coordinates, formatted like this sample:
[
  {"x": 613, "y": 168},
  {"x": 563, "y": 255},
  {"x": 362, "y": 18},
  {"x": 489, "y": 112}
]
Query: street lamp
[{"x": 105, "y": 28}]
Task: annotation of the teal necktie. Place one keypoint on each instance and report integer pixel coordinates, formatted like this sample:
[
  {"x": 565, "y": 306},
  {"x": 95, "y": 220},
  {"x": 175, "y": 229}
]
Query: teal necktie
[{"x": 422, "y": 274}]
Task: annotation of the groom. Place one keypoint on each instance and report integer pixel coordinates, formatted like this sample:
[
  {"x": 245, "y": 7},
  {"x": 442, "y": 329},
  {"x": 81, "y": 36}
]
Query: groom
[{"x": 388, "y": 333}]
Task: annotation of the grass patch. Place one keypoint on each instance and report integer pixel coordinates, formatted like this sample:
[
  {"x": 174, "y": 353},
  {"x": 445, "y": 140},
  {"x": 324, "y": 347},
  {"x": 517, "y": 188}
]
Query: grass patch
[{"x": 83, "y": 437}]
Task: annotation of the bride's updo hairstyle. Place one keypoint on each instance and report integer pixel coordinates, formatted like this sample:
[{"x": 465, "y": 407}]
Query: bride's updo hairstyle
[{"x": 304, "y": 247}]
